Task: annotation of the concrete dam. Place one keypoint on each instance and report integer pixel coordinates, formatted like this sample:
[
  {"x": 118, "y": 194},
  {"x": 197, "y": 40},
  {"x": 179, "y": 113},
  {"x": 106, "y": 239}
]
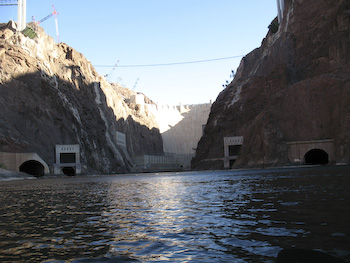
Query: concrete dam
[{"x": 181, "y": 128}]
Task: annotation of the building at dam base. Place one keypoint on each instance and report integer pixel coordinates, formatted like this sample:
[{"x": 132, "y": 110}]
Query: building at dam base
[
  {"x": 67, "y": 159},
  {"x": 67, "y": 162}
]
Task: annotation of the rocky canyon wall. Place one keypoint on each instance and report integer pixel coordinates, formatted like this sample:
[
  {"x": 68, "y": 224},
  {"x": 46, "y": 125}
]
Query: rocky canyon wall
[
  {"x": 294, "y": 87},
  {"x": 50, "y": 94}
]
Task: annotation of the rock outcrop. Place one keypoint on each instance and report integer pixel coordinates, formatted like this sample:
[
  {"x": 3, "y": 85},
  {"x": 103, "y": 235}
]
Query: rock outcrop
[
  {"x": 50, "y": 94},
  {"x": 294, "y": 87}
]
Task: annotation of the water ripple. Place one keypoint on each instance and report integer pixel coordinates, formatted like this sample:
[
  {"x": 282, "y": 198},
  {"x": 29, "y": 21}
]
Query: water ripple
[{"x": 229, "y": 216}]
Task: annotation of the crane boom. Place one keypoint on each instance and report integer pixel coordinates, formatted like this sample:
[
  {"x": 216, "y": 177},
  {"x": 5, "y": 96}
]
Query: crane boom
[
  {"x": 45, "y": 18},
  {"x": 54, "y": 13}
]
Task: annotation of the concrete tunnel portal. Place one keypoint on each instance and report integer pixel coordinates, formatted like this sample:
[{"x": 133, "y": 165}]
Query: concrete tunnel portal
[
  {"x": 316, "y": 156},
  {"x": 32, "y": 167},
  {"x": 30, "y": 163},
  {"x": 316, "y": 152}
]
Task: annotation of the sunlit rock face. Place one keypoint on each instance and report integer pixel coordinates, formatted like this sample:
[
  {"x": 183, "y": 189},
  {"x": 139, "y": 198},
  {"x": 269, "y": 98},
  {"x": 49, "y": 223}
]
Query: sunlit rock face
[
  {"x": 294, "y": 87},
  {"x": 51, "y": 94}
]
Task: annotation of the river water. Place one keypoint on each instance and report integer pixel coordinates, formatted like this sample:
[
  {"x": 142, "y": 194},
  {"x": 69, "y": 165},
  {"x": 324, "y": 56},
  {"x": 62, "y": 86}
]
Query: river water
[{"x": 223, "y": 216}]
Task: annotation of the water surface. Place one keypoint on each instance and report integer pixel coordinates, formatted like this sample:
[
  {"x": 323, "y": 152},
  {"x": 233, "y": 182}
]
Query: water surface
[{"x": 225, "y": 216}]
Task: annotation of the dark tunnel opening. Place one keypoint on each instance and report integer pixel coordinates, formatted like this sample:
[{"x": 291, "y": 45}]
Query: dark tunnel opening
[
  {"x": 32, "y": 167},
  {"x": 316, "y": 156},
  {"x": 70, "y": 171}
]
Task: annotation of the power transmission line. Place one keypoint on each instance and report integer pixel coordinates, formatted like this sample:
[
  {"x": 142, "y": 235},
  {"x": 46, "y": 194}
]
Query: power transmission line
[
  {"x": 167, "y": 64},
  {"x": 8, "y": 2}
]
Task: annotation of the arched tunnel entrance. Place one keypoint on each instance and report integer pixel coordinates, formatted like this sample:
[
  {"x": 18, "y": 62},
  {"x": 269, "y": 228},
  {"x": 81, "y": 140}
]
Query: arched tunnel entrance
[
  {"x": 70, "y": 171},
  {"x": 32, "y": 167},
  {"x": 316, "y": 156}
]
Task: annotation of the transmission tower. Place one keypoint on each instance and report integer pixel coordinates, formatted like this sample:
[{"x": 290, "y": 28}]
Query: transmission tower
[{"x": 136, "y": 84}]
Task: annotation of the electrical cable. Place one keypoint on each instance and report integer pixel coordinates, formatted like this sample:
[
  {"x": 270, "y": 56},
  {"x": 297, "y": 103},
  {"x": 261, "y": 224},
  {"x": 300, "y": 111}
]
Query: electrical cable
[
  {"x": 167, "y": 64},
  {"x": 8, "y": 2}
]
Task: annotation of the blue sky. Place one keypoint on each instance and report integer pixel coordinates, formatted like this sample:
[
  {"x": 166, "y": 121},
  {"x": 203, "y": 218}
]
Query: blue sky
[{"x": 148, "y": 32}]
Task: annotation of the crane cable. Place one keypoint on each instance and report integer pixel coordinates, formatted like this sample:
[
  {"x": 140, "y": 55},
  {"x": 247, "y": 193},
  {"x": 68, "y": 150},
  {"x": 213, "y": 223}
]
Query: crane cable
[{"x": 167, "y": 64}]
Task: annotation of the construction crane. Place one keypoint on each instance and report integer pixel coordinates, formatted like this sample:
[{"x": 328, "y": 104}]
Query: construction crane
[
  {"x": 54, "y": 13},
  {"x": 136, "y": 84},
  {"x": 108, "y": 75}
]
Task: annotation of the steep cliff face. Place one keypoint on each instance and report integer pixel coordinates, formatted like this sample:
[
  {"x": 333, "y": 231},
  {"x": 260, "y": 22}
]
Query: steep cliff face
[
  {"x": 51, "y": 94},
  {"x": 294, "y": 87}
]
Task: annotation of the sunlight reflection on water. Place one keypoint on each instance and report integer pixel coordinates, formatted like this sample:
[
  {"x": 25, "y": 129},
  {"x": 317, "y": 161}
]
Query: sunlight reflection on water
[{"x": 226, "y": 216}]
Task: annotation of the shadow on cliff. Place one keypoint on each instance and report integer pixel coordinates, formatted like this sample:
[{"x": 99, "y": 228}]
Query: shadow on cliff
[
  {"x": 183, "y": 137},
  {"x": 140, "y": 139},
  {"x": 39, "y": 111},
  {"x": 176, "y": 136}
]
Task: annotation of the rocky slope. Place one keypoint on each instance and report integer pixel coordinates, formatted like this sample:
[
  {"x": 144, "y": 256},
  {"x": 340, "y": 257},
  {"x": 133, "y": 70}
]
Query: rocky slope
[
  {"x": 294, "y": 87},
  {"x": 51, "y": 94}
]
